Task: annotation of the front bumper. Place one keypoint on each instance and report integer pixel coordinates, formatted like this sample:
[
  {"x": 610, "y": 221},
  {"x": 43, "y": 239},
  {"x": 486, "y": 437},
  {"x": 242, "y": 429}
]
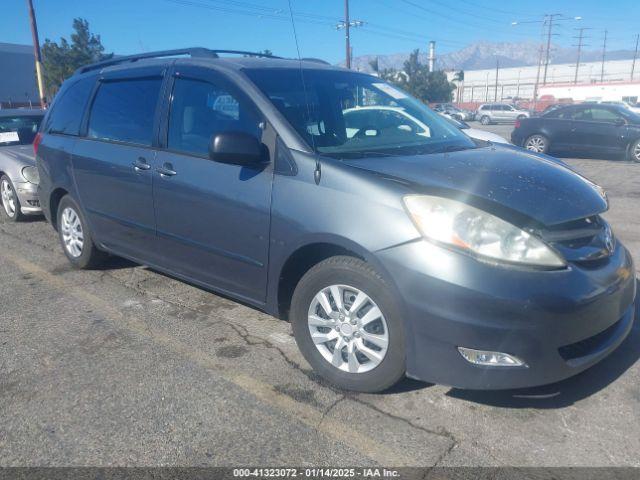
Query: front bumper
[
  {"x": 559, "y": 322},
  {"x": 28, "y": 196}
]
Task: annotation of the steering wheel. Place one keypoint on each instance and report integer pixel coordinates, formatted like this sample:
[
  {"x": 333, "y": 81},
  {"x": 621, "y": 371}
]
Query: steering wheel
[{"x": 362, "y": 133}]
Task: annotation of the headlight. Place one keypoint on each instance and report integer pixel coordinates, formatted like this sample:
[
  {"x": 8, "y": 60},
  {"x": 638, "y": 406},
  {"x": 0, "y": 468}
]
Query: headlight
[
  {"x": 477, "y": 232},
  {"x": 31, "y": 175}
]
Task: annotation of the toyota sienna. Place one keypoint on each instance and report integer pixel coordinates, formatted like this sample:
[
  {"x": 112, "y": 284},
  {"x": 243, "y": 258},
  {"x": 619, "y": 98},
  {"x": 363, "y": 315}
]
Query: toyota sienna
[{"x": 392, "y": 250}]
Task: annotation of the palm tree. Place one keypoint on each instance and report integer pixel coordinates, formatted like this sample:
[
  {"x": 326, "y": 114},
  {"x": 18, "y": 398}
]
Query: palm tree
[{"x": 459, "y": 79}]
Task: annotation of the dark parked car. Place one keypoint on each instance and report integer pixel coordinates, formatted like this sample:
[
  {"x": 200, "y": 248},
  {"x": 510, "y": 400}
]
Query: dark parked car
[
  {"x": 587, "y": 128},
  {"x": 18, "y": 172},
  {"x": 391, "y": 250}
]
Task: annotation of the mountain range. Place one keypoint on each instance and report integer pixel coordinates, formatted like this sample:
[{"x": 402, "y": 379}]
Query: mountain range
[{"x": 482, "y": 55}]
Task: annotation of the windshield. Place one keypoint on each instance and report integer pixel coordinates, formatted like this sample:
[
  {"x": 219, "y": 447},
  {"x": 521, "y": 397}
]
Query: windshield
[
  {"x": 349, "y": 115},
  {"x": 18, "y": 130}
]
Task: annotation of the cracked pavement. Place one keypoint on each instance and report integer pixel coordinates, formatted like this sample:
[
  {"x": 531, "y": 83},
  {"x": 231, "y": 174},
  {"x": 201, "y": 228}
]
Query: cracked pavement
[{"x": 125, "y": 366}]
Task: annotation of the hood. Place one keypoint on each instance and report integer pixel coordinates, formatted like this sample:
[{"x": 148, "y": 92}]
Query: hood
[
  {"x": 20, "y": 154},
  {"x": 499, "y": 179}
]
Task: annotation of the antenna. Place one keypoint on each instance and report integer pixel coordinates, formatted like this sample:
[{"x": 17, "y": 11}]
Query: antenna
[{"x": 317, "y": 174}]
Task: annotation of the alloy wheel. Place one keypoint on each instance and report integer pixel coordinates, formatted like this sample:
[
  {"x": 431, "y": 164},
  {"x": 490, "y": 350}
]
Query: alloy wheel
[
  {"x": 72, "y": 234},
  {"x": 348, "y": 328},
  {"x": 636, "y": 152},
  {"x": 8, "y": 198},
  {"x": 536, "y": 144}
]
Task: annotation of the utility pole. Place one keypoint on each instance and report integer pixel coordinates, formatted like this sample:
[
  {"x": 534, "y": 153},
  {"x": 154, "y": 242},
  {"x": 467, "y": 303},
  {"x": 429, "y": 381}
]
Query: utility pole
[
  {"x": 495, "y": 96},
  {"x": 36, "y": 52},
  {"x": 635, "y": 56},
  {"x": 604, "y": 55},
  {"x": 347, "y": 24},
  {"x": 535, "y": 88},
  {"x": 548, "y": 21},
  {"x": 580, "y": 45}
]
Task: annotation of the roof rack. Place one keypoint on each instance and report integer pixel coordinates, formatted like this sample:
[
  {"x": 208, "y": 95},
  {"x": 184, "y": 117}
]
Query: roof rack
[
  {"x": 194, "y": 52},
  {"x": 316, "y": 60}
]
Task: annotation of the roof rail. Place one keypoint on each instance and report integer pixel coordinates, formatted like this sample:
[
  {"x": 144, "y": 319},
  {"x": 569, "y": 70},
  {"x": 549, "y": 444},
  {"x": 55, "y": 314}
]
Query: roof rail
[
  {"x": 194, "y": 52},
  {"x": 316, "y": 60}
]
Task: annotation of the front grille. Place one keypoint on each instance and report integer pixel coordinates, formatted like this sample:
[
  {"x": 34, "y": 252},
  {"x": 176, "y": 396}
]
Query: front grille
[
  {"x": 588, "y": 345},
  {"x": 587, "y": 241}
]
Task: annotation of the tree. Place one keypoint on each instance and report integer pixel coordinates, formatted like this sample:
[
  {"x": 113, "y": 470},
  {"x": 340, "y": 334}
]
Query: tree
[
  {"x": 61, "y": 60},
  {"x": 416, "y": 79}
]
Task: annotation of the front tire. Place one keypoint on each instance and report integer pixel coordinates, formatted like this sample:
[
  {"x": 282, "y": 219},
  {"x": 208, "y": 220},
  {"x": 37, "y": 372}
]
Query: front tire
[
  {"x": 348, "y": 325},
  {"x": 485, "y": 120},
  {"x": 10, "y": 201},
  {"x": 634, "y": 151},
  {"x": 521, "y": 117},
  {"x": 537, "y": 143},
  {"x": 75, "y": 236}
]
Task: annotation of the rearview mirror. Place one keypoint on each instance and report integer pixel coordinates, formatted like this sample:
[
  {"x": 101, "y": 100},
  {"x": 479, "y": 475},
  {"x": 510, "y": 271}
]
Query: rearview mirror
[{"x": 237, "y": 148}]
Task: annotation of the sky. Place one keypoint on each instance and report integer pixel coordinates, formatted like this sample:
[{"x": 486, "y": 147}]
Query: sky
[{"x": 390, "y": 26}]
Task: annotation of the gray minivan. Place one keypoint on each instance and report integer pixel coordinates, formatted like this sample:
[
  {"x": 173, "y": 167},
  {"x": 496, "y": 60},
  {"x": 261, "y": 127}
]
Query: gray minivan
[{"x": 392, "y": 251}]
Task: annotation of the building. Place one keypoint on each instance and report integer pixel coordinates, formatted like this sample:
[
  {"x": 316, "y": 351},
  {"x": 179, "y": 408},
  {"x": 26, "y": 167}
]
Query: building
[
  {"x": 519, "y": 82},
  {"x": 18, "y": 87}
]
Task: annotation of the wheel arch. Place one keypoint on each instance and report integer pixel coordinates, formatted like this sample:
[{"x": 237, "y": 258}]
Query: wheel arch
[
  {"x": 54, "y": 201},
  {"x": 304, "y": 257}
]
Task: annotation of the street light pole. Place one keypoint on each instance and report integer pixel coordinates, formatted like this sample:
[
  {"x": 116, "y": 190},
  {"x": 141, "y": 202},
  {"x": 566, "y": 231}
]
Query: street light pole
[{"x": 36, "y": 52}]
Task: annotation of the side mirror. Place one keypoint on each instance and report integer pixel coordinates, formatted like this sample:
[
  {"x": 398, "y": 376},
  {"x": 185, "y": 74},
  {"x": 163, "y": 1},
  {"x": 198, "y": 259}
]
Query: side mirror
[
  {"x": 620, "y": 122},
  {"x": 237, "y": 148}
]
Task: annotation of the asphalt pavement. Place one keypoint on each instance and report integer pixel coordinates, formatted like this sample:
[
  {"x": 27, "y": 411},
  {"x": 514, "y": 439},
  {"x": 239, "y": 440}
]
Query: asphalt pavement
[{"x": 125, "y": 366}]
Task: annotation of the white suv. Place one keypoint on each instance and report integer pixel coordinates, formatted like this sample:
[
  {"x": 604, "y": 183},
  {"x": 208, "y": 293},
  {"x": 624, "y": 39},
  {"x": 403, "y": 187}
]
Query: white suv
[{"x": 499, "y": 113}]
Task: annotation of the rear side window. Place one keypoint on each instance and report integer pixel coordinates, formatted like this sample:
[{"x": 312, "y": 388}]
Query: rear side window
[
  {"x": 124, "y": 110},
  {"x": 67, "y": 112},
  {"x": 202, "y": 109}
]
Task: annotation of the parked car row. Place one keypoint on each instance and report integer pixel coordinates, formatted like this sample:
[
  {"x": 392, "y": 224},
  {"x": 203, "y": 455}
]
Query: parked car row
[{"x": 394, "y": 243}]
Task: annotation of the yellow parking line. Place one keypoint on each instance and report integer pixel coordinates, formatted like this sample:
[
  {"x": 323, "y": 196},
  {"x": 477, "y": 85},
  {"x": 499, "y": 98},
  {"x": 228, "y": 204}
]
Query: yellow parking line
[{"x": 374, "y": 448}]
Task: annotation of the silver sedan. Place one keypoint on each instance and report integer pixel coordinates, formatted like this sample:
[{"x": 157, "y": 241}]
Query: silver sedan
[{"x": 18, "y": 173}]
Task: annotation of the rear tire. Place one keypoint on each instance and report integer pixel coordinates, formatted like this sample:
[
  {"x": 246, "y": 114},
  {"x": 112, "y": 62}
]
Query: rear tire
[
  {"x": 10, "y": 201},
  {"x": 75, "y": 236},
  {"x": 485, "y": 120},
  {"x": 634, "y": 151},
  {"x": 365, "y": 323},
  {"x": 537, "y": 143}
]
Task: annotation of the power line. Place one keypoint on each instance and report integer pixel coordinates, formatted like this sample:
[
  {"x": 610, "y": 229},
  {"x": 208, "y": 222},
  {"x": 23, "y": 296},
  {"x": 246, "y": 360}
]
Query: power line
[{"x": 448, "y": 17}]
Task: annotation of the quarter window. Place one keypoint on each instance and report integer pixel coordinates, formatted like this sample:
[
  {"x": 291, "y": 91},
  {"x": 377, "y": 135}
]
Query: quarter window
[
  {"x": 124, "y": 111},
  {"x": 200, "y": 110},
  {"x": 66, "y": 115}
]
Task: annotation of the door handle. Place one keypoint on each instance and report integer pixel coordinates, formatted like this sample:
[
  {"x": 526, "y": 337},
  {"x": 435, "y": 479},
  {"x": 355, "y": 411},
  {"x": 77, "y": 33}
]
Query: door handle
[
  {"x": 141, "y": 164},
  {"x": 167, "y": 170}
]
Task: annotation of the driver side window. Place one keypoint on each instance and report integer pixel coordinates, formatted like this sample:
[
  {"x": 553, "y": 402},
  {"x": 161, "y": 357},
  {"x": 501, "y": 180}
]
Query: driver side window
[{"x": 200, "y": 110}]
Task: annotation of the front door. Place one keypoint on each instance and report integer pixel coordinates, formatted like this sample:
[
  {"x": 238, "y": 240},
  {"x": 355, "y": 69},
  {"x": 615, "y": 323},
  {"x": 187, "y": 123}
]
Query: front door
[
  {"x": 112, "y": 164},
  {"x": 212, "y": 218},
  {"x": 598, "y": 129}
]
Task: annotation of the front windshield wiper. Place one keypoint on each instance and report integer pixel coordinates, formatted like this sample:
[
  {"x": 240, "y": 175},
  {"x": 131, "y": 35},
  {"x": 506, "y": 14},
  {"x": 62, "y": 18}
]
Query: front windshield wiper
[{"x": 455, "y": 148}]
